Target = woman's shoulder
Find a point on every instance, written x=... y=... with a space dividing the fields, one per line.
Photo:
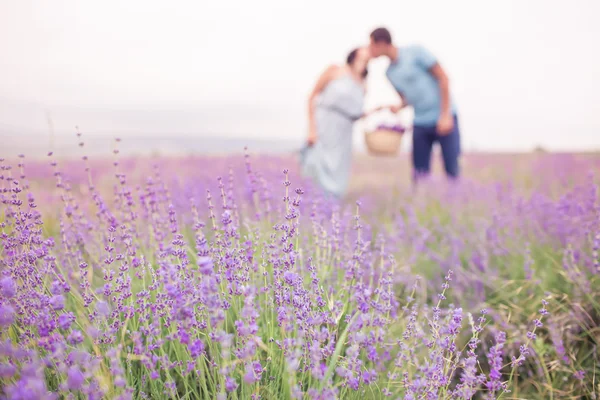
x=335 y=70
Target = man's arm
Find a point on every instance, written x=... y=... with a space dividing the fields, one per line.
x=429 y=62
x=438 y=73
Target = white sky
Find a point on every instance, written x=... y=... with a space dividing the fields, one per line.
x=524 y=72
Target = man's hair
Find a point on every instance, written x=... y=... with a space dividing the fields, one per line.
x=381 y=35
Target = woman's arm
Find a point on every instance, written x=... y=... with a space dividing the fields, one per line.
x=393 y=108
x=323 y=80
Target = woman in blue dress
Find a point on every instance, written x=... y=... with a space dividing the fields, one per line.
x=335 y=103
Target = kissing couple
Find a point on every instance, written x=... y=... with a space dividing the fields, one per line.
x=337 y=101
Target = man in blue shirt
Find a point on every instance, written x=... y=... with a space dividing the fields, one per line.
x=422 y=83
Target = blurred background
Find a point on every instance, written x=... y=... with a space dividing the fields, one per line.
x=212 y=77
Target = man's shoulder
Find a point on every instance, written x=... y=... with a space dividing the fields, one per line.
x=414 y=48
x=420 y=56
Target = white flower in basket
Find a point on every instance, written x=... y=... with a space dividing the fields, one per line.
x=384 y=137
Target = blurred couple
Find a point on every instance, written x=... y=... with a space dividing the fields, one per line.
x=337 y=101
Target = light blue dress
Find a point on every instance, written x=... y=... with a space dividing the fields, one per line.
x=329 y=160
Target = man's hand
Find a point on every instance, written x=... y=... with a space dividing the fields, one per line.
x=396 y=108
x=445 y=124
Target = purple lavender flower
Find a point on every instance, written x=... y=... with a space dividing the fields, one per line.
x=75 y=337
x=556 y=337
x=8 y=287
x=103 y=308
x=65 y=321
x=253 y=372
x=205 y=265
x=57 y=302
x=75 y=378
x=230 y=384
x=7 y=315
x=495 y=356
x=196 y=348
x=7 y=370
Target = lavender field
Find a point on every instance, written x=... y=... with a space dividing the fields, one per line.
x=233 y=278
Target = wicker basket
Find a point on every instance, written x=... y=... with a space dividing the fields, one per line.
x=383 y=142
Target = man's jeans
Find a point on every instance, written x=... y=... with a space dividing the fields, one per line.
x=423 y=139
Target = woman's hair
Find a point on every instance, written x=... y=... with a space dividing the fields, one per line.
x=352 y=57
